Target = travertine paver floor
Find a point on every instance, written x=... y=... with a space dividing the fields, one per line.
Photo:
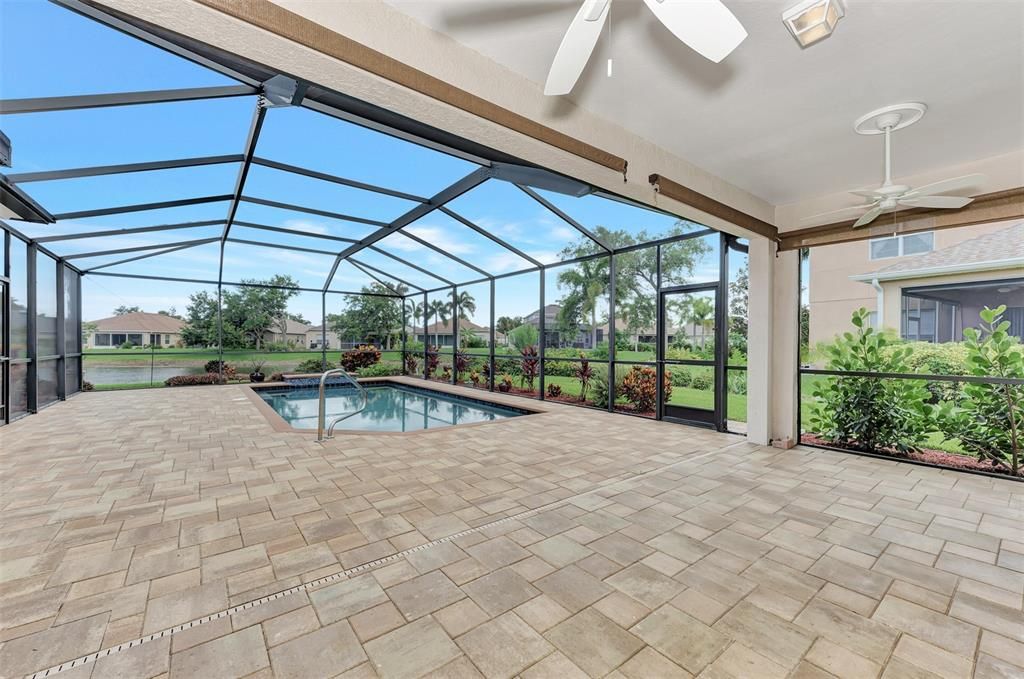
x=679 y=552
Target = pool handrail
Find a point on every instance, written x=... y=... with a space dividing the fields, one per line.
x=322 y=411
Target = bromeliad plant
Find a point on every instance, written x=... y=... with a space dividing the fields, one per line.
x=411 y=363
x=869 y=413
x=989 y=421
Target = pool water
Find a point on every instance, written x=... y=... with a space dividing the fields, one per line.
x=390 y=407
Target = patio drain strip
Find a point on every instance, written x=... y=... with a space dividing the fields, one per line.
x=348 y=572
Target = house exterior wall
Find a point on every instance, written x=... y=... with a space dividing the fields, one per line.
x=833 y=296
x=167 y=339
x=893 y=293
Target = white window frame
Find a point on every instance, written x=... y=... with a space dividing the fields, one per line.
x=899 y=241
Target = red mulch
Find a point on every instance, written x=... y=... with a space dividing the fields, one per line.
x=936 y=457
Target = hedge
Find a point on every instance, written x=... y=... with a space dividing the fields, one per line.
x=191 y=380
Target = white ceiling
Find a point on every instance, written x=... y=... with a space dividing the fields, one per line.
x=773 y=118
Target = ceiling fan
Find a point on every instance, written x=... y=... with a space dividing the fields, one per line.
x=707 y=26
x=889 y=196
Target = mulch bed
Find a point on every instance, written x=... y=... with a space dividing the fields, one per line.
x=929 y=456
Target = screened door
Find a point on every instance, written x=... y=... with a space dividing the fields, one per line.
x=690 y=358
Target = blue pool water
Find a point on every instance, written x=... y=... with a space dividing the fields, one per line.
x=390 y=407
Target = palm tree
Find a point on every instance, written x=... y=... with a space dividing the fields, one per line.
x=466 y=305
x=440 y=310
x=416 y=311
x=587 y=283
x=701 y=311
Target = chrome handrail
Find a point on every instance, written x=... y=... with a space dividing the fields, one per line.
x=322 y=412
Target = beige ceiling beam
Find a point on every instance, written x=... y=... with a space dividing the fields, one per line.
x=683 y=194
x=990 y=207
x=286 y=24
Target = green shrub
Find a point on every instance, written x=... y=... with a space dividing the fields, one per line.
x=524 y=336
x=680 y=377
x=126 y=345
x=379 y=370
x=599 y=384
x=931 y=358
x=703 y=380
x=314 y=365
x=990 y=420
x=865 y=413
x=737 y=381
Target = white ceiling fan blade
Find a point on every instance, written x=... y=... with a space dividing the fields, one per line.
x=942 y=202
x=840 y=211
x=947 y=185
x=867 y=193
x=577 y=45
x=707 y=26
x=868 y=216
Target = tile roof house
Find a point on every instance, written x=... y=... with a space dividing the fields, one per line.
x=138 y=328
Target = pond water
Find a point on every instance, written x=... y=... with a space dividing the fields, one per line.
x=136 y=374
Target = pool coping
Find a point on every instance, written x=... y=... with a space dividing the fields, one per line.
x=279 y=424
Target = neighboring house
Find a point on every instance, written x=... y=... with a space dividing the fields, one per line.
x=928 y=286
x=583 y=338
x=315 y=335
x=138 y=329
x=441 y=334
x=287 y=332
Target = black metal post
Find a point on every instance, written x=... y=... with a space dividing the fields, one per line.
x=426 y=343
x=490 y=356
x=661 y=337
x=455 y=334
x=78 y=330
x=62 y=386
x=721 y=333
x=611 y=333
x=323 y=331
x=405 y=332
x=543 y=333
x=31 y=328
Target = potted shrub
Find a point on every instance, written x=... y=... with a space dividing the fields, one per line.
x=474 y=377
x=256 y=370
x=505 y=384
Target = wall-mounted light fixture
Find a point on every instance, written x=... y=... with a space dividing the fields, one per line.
x=813 y=20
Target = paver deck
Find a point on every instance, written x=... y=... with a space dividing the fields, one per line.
x=606 y=546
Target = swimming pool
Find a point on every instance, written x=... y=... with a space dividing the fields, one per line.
x=390 y=407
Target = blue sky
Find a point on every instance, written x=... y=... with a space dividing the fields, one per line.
x=48 y=51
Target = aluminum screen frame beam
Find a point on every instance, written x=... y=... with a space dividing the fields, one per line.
x=103 y=170
x=130 y=230
x=312 y=211
x=138 y=248
x=564 y=217
x=145 y=256
x=486 y=234
x=142 y=207
x=82 y=101
x=336 y=179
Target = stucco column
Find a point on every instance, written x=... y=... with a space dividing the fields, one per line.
x=759 y=339
x=772 y=343
x=785 y=345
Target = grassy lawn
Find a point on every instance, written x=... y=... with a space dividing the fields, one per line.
x=128 y=357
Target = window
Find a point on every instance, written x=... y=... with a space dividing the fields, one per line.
x=102 y=339
x=902 y=246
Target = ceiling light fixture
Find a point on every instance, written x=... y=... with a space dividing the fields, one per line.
x=813 y=20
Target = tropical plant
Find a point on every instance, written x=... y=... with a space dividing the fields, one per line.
x=440 y=310
x=639 y=386
x=989 y=422
x=505 y=384
x=446 y=371
x=475 y=377
x=432 y=359
x=554 y=391
x=584 y=373
x=529 y=366
x=362 y=356
x=191 y=380
x=466 y=304
x=256 y=365
x=461 y=364
x=699 y=313
x=373 y=316
x=600 y=388
x=379 y=370
x=506 y=324
x=411 y=363
x=869 y=413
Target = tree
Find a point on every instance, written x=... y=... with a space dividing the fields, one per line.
x=245 y=315
x=259 y=306
x=440 y=310
x=739 y=295
x=700 y=312
x=636 y=278
x=88 y=328
x=370 y=317
x=586 y=282
x=122 y=310
x=466 y=305
x=506 y=324
x=172 y=312
x=524 y=336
